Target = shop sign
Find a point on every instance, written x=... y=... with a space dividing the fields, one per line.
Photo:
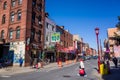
x=55 y=37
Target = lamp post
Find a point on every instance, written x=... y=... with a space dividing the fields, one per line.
x=97 y=33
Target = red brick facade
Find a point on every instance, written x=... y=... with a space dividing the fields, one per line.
x=27 y=17
x=65 y=37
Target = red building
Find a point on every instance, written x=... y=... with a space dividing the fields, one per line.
x=66 y=41
x=21 y=29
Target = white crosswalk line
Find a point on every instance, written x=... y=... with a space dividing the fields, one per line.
x=5 y=76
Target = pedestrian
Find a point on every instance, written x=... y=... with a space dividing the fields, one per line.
x=82 y=67
x=115 y=61
x=21 y=61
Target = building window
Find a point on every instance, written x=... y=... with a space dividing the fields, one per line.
x=19 y=15
x=34 y=2
x=2 y=34
x=52 y=28
x=12 y=17
x=39 y=36
x=39 y=20
x=10 y=34
x=47 y=25
x=5 y=5
x=32 y=34
x=47 y=38
x=13 y=3
x=19 y=2
x=17 y=32
x=3 y=19
x=33 y=16
x=39 y=7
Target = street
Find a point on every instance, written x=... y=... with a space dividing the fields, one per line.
x=64 y=73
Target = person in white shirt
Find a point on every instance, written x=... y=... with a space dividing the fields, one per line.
x=81 y=66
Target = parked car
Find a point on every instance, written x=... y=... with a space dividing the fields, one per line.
x=88 y=57
x=95 y=57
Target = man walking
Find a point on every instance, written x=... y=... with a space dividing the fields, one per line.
x=21 y=61
x=115 y=61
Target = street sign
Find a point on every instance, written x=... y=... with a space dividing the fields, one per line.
x=55 y=37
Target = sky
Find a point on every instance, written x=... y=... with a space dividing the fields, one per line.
x=83 y=16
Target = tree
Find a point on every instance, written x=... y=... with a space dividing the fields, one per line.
x=117 y=36
x=118 y=24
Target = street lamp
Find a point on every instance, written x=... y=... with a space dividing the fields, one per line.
x=97 y=33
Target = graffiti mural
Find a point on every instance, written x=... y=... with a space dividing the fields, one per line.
x=18 y=49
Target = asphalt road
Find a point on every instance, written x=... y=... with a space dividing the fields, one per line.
x=65 y=73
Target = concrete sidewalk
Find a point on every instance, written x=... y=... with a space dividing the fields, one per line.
x=114 y=75
x=16 y=69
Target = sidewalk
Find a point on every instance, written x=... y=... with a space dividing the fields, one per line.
x=16 y=69
x=114 y=75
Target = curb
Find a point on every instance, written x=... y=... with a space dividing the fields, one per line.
x=18 y=70
x=12 y=71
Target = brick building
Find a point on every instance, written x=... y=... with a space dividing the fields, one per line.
x=66 y=41
x=66 y=38
x=21 y=29
x=113 y=43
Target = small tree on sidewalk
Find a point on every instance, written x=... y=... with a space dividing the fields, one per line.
x=117 y=35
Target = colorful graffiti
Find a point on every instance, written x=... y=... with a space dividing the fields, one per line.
x=18 y=49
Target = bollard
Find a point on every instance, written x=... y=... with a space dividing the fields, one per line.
x=75 y=61
x=60 y=64
x=102 y=69
x=66 y=61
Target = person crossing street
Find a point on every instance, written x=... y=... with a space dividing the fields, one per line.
x=82 y=68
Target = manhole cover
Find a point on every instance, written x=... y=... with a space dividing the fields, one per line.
x=66 y=76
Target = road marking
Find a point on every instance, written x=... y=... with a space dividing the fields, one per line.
x=78 y=74
x=5 y=76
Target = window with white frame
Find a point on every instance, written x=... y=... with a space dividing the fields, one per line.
x=19 y=2
x=17 y=32
x=13 y=3
x=10 y=33
x=12 y=17
x=19 y=15
x=5 y=5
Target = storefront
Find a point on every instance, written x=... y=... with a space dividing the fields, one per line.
x=35 y=54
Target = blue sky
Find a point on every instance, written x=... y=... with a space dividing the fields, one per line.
x=82 y=16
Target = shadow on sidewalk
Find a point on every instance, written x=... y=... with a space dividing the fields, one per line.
x=114 y=74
